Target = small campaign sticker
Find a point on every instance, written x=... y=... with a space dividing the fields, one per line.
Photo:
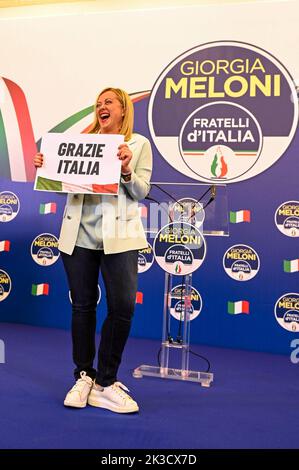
x=44 y=249
x=177 y=302
x=179 y=248
x=9 y=206
x=145 y=258
x=241 y=262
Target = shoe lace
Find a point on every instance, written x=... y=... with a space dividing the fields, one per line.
x=80 y=383
x=121 y=390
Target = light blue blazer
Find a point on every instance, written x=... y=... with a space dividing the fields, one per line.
x=121 y=223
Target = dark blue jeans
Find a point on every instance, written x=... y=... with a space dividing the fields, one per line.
x=119 y=273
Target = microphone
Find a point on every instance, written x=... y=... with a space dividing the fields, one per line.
x=212 y=189
x=168 y=194
x=213 y=195
x=159 y=204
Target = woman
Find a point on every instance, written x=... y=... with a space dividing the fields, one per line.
x=105 y=233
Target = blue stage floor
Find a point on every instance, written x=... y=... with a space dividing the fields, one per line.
x=252 y=403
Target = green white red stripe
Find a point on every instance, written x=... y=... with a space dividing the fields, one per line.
x=81 y=121
x=178 y=269
x=48 y=208
x=40 y=289
x=234 y=308
x=4 y=245
x=46 y=184
x=17 y=143
x=239 y=216
x=239 y=153
x=193 y=152
x=291 y=266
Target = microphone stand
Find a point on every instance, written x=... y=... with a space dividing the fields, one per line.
x=182 y=343
x=211 y=189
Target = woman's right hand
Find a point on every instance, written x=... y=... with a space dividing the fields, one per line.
x=38 y=160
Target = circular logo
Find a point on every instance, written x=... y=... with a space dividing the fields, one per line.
x=209 y=111
x=187 y=210
x=179 y=248
x=99 y=295
x=9 y=206
x=145 y=258
x=177 y=303
x=287 y=311
x=287 y=218
x=220 y=159
x=44 y=249
x=5 y=285
x=241 y=262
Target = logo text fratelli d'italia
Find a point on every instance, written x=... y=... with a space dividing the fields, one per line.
x=209 y=111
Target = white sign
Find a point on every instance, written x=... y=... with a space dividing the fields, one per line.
x=80 y=163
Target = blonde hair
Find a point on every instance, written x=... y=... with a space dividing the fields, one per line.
x=128 y=109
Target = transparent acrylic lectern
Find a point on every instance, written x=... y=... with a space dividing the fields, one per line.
x=204 y=206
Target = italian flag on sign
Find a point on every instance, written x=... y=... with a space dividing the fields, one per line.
x=45 y=184
x=242 y=306
x=40 y=289
x=239 y=216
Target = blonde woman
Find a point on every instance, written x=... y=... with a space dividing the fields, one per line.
x=103 y=234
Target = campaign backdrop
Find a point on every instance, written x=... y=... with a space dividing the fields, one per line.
x=214 y=89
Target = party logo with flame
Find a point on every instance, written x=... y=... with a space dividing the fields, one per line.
x=210 y=111
x=219 y=166
x=220 y=141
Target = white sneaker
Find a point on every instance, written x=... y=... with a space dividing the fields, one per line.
x=113 y=398
x=77 y=396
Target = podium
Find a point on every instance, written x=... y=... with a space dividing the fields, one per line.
x=204 y=208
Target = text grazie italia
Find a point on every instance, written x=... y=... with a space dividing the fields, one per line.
x=79 y=167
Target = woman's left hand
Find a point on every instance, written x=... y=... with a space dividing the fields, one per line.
x=125 y=155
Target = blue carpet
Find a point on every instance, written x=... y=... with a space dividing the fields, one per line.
x=252 y=403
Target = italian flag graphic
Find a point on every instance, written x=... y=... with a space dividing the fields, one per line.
x=215 y=170
x=291 y=266
x=139 y=297
x=17 y=143
x=48 y=208
x=239 y=216
x=5 y=245
x=40 y=289
x=178 y=269
x=242 y=306
x=46 y=184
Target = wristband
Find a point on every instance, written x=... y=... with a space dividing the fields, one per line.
x=126 y=176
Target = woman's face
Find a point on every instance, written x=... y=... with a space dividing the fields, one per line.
x=109 y=112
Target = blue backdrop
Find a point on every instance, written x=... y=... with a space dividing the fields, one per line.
x=258 y=330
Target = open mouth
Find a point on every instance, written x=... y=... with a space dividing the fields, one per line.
x=104 y=117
